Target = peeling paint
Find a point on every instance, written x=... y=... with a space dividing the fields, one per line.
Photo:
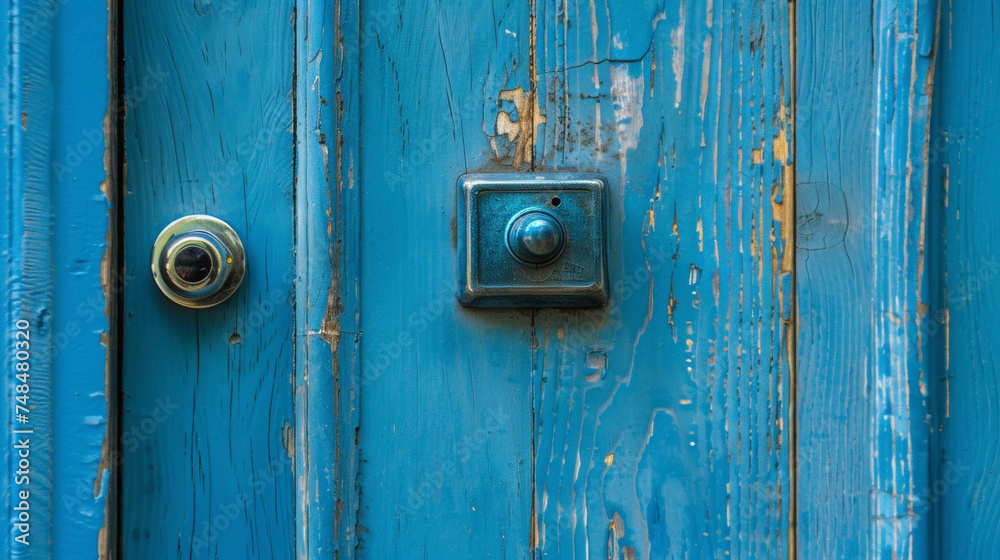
x=677 y=42
x=627 y=95
x=114 y=172
x=521 y=131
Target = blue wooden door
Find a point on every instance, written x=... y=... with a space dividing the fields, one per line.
x=752 y=389
x=962 y=493
x=207 y=413
x=343 y=402
x=653 y=427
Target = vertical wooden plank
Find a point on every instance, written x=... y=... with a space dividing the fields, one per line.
x=7 y=239
x=834 y=148
x=445 y=395
x=59 y=166
x=662 y=419
x=327 y=294
x=864 y=364
x=208 y=416
x=29 y=285
x=962 y=320
x=85 y=229
x=899 y=369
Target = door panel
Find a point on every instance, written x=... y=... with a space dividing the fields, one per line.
x=961 y=324
x=446 y=392
x=207 y=406
x=656 y=426
x=834 y=241
x=662 y=423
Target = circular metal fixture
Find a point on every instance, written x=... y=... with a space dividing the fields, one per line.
x=198 y=261
x=535 y=237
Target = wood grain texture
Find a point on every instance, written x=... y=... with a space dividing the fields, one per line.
x=327 y=291
x=208 y=420
x=963 y=234
x=897 y=383
x=28 y=256
x=834 y=147
x=864 y=346
x=445 y=395
x=85 y=170
x=662 y=420
x=54 y=98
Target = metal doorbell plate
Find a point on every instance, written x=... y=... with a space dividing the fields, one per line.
x=532 y=240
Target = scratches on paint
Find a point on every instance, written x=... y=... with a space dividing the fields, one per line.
x=594 y=33
x=706 y=67
x=238 y=127
x=783 y=194
x=677 y=43
x=716 y=346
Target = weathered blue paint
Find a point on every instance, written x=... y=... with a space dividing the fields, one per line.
x=834 y=148
x=898 y=378
x=446 y=392
x=638 y=429
x=54 y=95
x=864 y=366
x=663 y=420
x=963 y=234
x=328 y=289
x=208 y=417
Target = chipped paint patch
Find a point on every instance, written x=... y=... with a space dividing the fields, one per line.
x=521 y=131
x=677 y=42
x=288 y=440
x=627 y=95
